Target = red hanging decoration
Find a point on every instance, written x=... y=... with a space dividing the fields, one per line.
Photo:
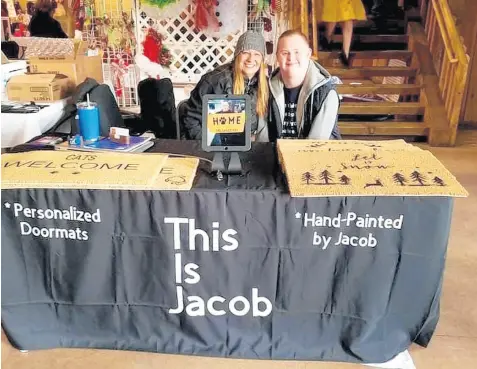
x=205 y=15
x=152 y=45
x=276 y=6
x=119 y=68
x=20 y=30
x=79 y=13
x=154 y=49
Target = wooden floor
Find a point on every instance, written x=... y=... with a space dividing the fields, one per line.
x=454 y=345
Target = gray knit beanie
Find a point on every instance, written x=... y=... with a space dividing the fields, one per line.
x=250 y=40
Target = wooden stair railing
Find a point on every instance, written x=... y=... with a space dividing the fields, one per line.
x=450 y=61
x=303 y=16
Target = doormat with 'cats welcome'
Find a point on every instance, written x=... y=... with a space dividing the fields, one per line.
x=78 y=170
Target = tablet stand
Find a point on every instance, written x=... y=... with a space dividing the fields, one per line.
x=234 y=167
x=218 y=163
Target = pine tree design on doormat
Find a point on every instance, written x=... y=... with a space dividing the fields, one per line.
x=439 y=181
x=419 y=178
x=307 y=177
x=399 y=178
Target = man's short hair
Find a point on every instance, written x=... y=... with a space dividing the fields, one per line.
x=293 y=32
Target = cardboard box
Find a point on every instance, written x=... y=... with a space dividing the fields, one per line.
x=78 y=65
x=39 y=87
x=10 y=68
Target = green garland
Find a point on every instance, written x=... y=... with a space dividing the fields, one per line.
x=263 y=5
x=159 y=3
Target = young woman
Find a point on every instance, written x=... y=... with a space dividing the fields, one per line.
x=246 y=74
x=344 y=12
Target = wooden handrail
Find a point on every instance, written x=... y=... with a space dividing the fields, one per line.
x=444 y=31
x=448 y=28
x=314 y=27
x=302 y=13
x=451 y=65
x=451 y=27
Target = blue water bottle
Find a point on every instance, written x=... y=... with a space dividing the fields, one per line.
x=88 y=114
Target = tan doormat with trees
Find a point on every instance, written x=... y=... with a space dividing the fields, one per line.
x=363 y=168
x=77 y=170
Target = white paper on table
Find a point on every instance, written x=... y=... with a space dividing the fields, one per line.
x=400 y=361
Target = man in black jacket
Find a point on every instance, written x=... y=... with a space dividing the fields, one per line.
x=303 y=99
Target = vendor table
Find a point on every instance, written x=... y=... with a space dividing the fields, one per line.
x=18 y=128
x=233 y=268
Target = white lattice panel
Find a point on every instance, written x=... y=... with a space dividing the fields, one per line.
x=193 y=52
x=96 y=34
x=257 y=21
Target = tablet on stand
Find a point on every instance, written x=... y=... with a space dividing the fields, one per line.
x=226 y=129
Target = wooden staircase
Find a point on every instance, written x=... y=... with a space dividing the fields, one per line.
x=400 y=82
x=398 y=110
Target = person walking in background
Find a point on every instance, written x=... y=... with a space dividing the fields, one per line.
x=344 y=12
x=18 y=7
x=30 y=8
x=42 y=23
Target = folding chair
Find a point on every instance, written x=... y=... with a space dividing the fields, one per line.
x=180 y=111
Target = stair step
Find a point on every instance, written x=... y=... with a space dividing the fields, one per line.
x=380 y=46
x=372 y=39
x=387 y=55
x=370 y=28
x=368 y=72
x=383 y=89
x=381 y=108
x=413 y=15
x=369 y=23
x=389 y=128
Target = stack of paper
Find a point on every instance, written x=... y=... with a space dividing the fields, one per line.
x=105 y=144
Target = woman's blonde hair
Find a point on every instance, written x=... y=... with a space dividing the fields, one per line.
x=262 y=93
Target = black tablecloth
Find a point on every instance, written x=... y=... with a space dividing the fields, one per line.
x=260 y=167
x=257 y=278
